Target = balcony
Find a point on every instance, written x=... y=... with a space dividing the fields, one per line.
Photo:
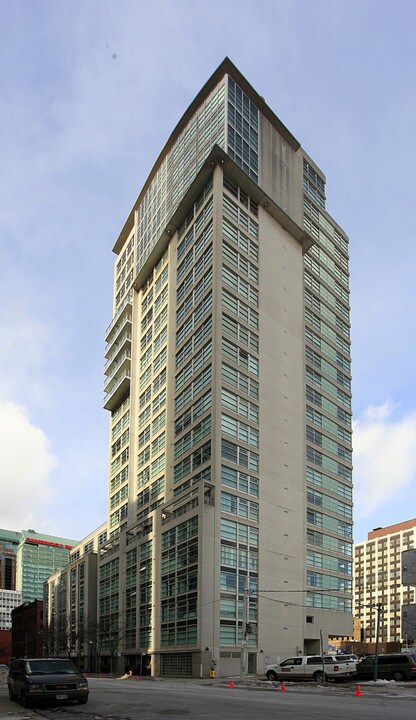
x=121 y=362
x=118 y=391
x=123 y=325
x=115 y=347
x=118 y=319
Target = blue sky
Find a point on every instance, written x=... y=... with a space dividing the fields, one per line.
x=90 y=91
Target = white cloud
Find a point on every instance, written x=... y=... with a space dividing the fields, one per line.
x=384 y=458
x=27 y=462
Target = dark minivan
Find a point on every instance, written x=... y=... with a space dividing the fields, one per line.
x=392 y=666
x=40 y=679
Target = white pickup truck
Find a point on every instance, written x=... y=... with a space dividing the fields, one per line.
x=310 y=667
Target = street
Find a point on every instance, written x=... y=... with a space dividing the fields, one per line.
x=148 y=699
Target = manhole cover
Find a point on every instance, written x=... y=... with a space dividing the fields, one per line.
x=173 y=711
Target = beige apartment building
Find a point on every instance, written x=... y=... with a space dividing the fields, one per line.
x=70 y=605
x=229 y=391
x=378 y=580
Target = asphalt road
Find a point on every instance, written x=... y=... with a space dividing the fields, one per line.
x=147 y=700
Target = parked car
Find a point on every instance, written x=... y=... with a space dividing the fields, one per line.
x=40 y=679
x=347 y=658
x=391 y=666
x=310 y=667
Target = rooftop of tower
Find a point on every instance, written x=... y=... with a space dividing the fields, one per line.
x=225 y=68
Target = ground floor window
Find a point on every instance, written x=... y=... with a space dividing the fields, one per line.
x=177 y=664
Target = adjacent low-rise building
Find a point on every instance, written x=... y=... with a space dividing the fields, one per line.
x=9 y=599
x=28 y=639
x=70 y=604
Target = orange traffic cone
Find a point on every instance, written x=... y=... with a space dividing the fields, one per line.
x=283 y=687
x=358 y=692
x=137 y=678
x=231 y=684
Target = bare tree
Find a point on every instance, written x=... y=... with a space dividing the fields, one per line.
x=105 y=638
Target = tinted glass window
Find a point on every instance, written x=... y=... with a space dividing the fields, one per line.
x=50 y=667
x=289 y=661
x=393 y=660
x=314 y=661
x=368 y=661
x=385 y=660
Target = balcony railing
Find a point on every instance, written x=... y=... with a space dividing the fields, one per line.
x=127 y=303
x=125 y=360
x=121 y=326
x=116 y=347
x=119 y=390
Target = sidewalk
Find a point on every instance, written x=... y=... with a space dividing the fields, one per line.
x=13 y=710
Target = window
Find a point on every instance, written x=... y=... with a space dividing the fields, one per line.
x=241 y=286
x=240 y=333
x=193 y=437
x=192 y=367
x=193 y=389
x=239 y=506
x=243 y=121
x=192 y=461
x=239 y=480
x=240 y=381
x=234 y=234
x=189 y=324
x=195 y=250
x=243 y=311
x=240 y=263
x=240 y=357
x=197 y=409
x=239 y=430
x=239 y=455
x=194 y=296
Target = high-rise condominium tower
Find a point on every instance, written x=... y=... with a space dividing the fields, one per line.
x=228 y=384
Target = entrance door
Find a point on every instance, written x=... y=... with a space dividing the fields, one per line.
x=252 y=663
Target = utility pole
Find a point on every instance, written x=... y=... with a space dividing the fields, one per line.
x=379 y=607
x=379 y=610
x=244 y=629
x=322 y=656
